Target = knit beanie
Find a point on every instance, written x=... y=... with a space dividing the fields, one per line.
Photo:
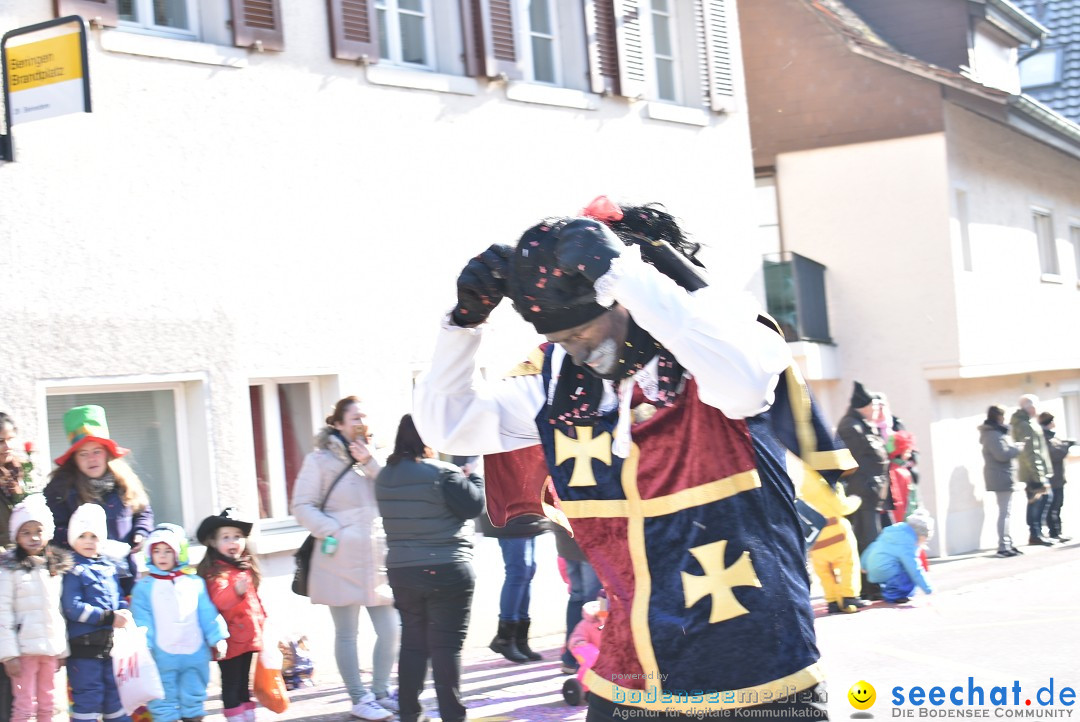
x=32 y=508
x=921 y=521
x=541 y=293
x=171 y=535
x=88 y=518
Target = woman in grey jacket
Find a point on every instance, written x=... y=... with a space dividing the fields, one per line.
x=425 y=506
x=999 y=471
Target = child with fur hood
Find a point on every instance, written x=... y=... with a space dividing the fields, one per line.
x=33 y=637
x=892 y=560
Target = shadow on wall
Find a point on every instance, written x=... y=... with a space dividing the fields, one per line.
x=965 y=516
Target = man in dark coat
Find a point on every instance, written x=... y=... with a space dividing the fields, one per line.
x=870 y=481
x=1059 y=449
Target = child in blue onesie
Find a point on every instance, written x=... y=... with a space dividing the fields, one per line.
x=92 y=605
x=182 y=625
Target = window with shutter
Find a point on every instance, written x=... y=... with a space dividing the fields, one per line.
x=103 y=11
x=490 y=46
x=715 y=55
x=353 y=30
x=603 y=50
x=257 y=23
x=629 y=43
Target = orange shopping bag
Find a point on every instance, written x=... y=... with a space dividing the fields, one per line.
x=270 y=689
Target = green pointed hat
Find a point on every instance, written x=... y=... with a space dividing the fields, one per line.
x=83 y=424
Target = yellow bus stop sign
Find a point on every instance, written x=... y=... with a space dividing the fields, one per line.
x=45 y=73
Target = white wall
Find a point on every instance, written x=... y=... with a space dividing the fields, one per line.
x=291 y=218
x=875 y=215
x=1011 y=319
x=942 y=342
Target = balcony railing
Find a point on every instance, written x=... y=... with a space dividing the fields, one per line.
x=795 y=296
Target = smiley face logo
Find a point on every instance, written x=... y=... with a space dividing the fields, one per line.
x=862 y=695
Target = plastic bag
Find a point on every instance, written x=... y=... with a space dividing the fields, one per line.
x=137 y=678
x=270 y=655
x=270 y=689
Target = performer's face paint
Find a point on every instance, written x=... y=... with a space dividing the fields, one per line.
x=596 y=345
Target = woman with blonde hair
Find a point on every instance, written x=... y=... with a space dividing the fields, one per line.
x=92 y=471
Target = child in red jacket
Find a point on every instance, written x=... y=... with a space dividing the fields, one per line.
x=232 y=579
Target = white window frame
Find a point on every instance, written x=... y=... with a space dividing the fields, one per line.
x=1049 y=263
x=275 y=453
x=649 y=42
x=145 y=9
x=523 y=21
x=393 y=34
x=1054 y=56
x=179 y=389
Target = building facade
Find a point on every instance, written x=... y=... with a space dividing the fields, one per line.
x=270 y=202
x=945 y=208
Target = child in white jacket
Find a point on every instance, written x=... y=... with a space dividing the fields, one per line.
x=33 y=635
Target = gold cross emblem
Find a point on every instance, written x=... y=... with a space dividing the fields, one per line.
x=582 y=450
x=719 y=580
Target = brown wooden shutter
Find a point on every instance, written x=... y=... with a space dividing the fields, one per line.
x=631 y=52
x=472 y=37
x=354 y=33
x=603 y=50
x=715 y=55
x=106 y=11
x=257 y=23
x=490 y=43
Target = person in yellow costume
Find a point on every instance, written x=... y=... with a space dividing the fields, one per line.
x=834 y=554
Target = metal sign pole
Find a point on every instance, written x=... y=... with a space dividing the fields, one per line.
x=7 y=146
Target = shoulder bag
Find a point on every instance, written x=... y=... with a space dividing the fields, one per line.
x=303 y=554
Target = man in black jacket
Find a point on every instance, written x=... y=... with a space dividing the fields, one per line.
x=870 y=481
x=1059 y=449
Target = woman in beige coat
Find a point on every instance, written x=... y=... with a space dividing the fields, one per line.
x=348 y=566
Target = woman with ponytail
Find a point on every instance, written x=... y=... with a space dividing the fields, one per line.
x=334 y=498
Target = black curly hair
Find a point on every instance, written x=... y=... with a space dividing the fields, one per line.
x=653 y=223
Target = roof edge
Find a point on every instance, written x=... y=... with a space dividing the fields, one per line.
x=1014 y=21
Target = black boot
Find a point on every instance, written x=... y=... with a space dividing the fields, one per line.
x=522 y=639
x=505 y=644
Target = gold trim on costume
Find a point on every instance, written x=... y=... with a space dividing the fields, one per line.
x=746 y=697
x=532 y=365
x=667 y=504
x=639 y=560
x=802 y=415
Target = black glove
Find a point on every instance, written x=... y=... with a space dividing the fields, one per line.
x=481 y=285
x=587 y=247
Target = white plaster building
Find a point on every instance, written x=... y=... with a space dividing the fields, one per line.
x=234 y=238
x=946 y=210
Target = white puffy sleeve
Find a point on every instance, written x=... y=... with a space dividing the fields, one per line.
x=714 y=334
x=457 y=413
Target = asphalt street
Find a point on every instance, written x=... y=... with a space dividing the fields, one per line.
x=998 y=621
